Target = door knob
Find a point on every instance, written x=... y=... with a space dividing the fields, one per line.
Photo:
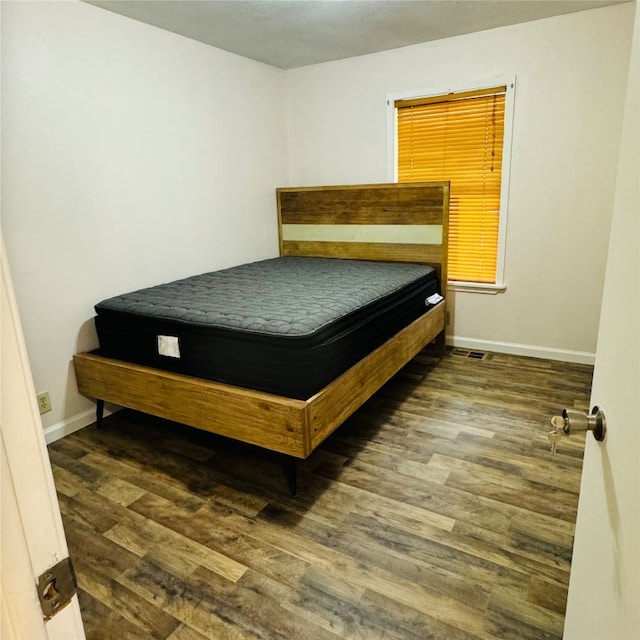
x=578 y=421
x=572 y=420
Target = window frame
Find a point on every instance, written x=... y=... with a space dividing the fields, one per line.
x=392 y=167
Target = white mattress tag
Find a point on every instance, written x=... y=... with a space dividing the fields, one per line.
x=434 y=299
x=168 y=346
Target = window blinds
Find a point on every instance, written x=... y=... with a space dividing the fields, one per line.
x=459 y=137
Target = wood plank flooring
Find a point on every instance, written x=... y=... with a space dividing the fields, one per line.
x=436 y=511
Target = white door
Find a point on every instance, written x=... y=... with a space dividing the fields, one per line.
x=604 y=588
x=32 y=535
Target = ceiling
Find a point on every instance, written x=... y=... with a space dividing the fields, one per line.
x=296 y=33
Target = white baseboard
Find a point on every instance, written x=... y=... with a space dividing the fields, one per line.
x=547 y=353
x=75 y=423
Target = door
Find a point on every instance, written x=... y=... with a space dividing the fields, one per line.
x=604 y=588
x=32 y=535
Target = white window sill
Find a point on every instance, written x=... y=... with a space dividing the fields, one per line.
x=475 y=287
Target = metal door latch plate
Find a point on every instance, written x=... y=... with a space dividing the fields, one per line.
x=56 y=587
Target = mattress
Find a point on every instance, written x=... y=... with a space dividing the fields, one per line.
x=287 y=325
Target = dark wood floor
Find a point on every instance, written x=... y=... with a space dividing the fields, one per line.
x=436 y=511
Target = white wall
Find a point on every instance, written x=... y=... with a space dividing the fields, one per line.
x=571 y=74
x=130 y=156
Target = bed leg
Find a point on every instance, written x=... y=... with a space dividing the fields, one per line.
x=441 y=343
x=99 y=413
x=290 y=467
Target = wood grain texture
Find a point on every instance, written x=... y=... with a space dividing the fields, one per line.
x=385 y=251
x=435 y=511
x=373 y=204
x=341 y=398
x=276 y=423
x=263 y=419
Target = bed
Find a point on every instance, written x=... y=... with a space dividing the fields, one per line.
x=290 y=390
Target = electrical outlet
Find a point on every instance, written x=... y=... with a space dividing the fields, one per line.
x=44 y=402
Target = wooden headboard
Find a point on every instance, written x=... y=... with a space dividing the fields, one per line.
x=394 y=222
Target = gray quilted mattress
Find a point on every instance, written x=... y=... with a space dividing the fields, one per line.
x=285 y=325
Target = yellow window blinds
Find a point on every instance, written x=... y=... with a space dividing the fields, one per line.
x=459 y=137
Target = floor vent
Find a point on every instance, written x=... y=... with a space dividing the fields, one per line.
x=465 y=353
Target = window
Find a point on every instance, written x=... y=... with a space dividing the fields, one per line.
x=460 y=137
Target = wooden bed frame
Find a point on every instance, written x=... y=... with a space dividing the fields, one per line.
x=346 y=219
